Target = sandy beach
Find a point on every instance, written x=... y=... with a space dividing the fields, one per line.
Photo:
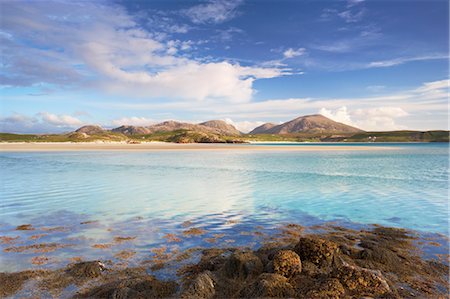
x=163 y=146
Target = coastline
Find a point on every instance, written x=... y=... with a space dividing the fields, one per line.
x=165 y=146
x=324 y=261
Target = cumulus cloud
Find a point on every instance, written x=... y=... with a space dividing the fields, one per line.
x=407 y=109
x=290 y=53
x=60 y=120
x=213 y=11
x=43 y=122
x=133 y=121
x=98 y=46
x=369 y=119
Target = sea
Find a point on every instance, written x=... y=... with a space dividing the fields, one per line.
x=95 y=204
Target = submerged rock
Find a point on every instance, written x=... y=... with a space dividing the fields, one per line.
x=269 y=285
x=201 y=287
x=243 y=265
x=318 y=251
x=132 y=288
x=287 y=263
x=12 y=282
x=91 y=269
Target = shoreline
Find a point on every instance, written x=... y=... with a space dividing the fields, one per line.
x=333 y=262
x=165 y=146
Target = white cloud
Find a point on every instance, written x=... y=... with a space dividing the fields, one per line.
x=290 y=53
x=103 y=47
x=133 y=121
x=402 y=60
x=214 y=11
x=244 y=126
x=43 y=122
x=421 y=108
x=369 y=119
x=60 y=120
x=340 y=115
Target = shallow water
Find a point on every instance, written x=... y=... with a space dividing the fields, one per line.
x=149 y=194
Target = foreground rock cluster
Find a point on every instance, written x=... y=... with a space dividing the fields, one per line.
x=381 y=263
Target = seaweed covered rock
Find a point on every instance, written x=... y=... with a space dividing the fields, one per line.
x=201 y=287
x=287 y=263
x=269 y=285
x=361 y=281
x=89 y=269
x=242 y=265
x=329 y=288
x=12 y=282
x=318 y=251
x=132 y=288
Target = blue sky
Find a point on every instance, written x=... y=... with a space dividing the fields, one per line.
x=378 y=65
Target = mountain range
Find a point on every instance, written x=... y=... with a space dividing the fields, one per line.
x=305 y=124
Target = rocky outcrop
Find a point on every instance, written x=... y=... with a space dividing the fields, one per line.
x=202 y=287
x=91 y=130
x=91 y=269
x=135 y=287
x=287 y=263
x=269 y=285
x=318 y=251
x=243 y=265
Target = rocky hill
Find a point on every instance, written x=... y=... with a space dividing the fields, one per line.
x=218 y=127
x=309 y=124
x=91 y=130
x=262 y=128
x=221 y=127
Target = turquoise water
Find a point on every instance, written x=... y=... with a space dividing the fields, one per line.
x=405 y=185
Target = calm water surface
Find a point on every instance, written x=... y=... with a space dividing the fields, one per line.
x=150 y=193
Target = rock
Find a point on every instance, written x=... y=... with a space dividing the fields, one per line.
x=310 y=269
x=330 y=288
x=243 y=265
x=89 y=269
x=362 y=281
x=25 y=227
x=316 y=250
x=201 y=287
x=12 y=282
x=269 y=285
x=287 y=263
x=135 y=287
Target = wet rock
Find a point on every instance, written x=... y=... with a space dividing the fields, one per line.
x=132 y=288
x=269 y=285
x=89 y=269
x=201 y=287
x=287 y=263
x=310 y=269
x=362 y=281
x=25 y=227
x=328 y=289
x=316 y=250
x=12 y=282
x=243 y=265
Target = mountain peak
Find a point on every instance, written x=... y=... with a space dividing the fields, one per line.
x=315 y=123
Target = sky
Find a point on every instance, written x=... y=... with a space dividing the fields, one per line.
x=375 y=64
